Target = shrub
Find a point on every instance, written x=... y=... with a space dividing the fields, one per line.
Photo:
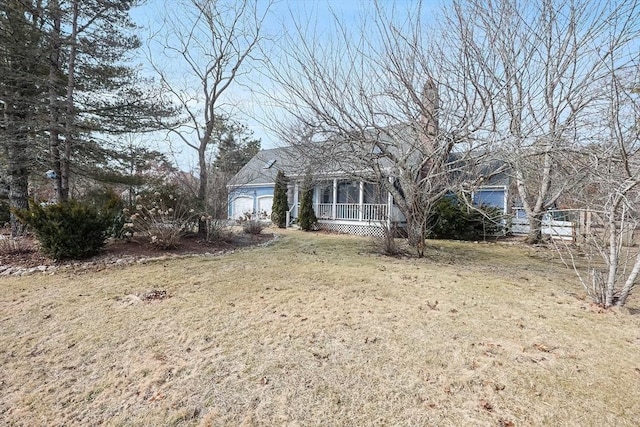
x=387 y=243
x=452 y=219
x=307 y=216
x=163 y=220
x=110 y=205
x=67 y=230
x=280 y=203
x=253 y=226
x=218 y=230
x=15 y=245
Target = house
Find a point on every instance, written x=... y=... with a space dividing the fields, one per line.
x=251 y=189
x=341 y=202
x=346 y=196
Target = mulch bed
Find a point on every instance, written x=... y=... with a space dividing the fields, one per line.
x=126 y=252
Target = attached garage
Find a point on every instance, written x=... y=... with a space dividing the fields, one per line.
x=242 y=205
x=265 y=204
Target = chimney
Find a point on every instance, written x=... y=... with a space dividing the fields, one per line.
x=430 y=107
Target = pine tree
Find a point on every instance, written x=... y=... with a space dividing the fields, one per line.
x=236 y=146
x=94 y=92
x=22 y=76
x=307 y=216
x=280 y=203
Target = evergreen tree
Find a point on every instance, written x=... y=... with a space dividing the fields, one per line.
x=307 y=216
x=93 y=90
x=22 y=76
x=66 y=87
x=236 y=146
x=280 y=203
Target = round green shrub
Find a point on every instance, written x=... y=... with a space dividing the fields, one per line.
x=109 y=204
x=67 y=230
x=452 y=219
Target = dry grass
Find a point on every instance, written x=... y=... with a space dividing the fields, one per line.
x=15 y=245
x=317 y=330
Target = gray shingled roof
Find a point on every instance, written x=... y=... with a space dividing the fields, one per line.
x=264 y=166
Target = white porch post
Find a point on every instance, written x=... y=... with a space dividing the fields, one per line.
x=389 y=206
x=360 y=201
x=334 y=202
x=295 y=199
x=505 y=201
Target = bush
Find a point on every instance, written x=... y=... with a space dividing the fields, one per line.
x=253 y=226
x=307 y=216
x=280 y=203
x=387 y=243
x=15 y=245
x=67 y=230
x=452 y=219
x=110 y=205
x=163 y=219
x=218 y=230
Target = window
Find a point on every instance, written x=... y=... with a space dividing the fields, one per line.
x=326 y=192
x=375 y=194
x=487 y=197
x=268 y=164
x=348 y=192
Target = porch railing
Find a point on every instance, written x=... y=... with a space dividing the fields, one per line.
x=324 y=210
x=348 y=211
x=352 y=211
x=372 y=212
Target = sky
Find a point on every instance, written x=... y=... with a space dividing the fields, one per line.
x=244 y=101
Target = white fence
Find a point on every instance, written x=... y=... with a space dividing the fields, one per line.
x=553 y=224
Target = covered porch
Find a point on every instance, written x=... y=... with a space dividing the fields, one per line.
x=349 y=202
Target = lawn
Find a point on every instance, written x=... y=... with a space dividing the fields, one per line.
x=319 y=330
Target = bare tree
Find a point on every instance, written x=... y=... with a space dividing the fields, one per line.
x=213 y=41
x=542 y=65
x=610 y=264
x=379 y=102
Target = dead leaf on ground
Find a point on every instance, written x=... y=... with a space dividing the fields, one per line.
x=543 y=347
x=154 y=295
x=484 y=404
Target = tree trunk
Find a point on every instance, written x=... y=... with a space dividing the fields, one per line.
x=415 y=235
x=54 y=110
x=535 y=228
x=18 y=173
x=202 y=191
x=629 y=284
x=417 y=227
x=612 y=258
x=70 y=118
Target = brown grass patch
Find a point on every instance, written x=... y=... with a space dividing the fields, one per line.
x=318 y=330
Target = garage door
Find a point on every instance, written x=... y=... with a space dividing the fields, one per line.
x=241 y=206
x=265 y=204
